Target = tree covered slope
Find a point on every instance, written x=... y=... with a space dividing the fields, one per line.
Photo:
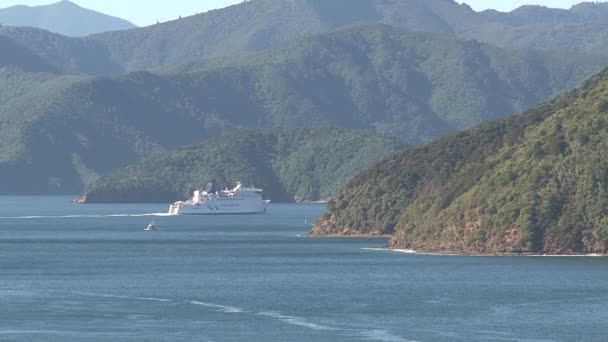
x=289 y=164
x=16 y=56
x=66 y=55
x=535 y=183
x=68 y=130
x=261 y=24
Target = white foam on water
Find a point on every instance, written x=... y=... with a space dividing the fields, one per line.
x=153 y=299
x=411 y=251
x=107 y=295
x=102 y=295
x=293 y=320
x=406 y=251
x=143 y=215
x=223 y=308
x=514 y=339
x=383 y=335
x=84 y=216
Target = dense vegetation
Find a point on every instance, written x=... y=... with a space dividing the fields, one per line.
x=64 y=54
x=260 y=24
x=63 y=17
x=67 y=130
x=535 y=183
x=16 y=56
x=289 y=164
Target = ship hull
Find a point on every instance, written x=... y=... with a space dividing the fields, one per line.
x=227 y=207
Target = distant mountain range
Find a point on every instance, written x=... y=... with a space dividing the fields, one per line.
x=261 y=24
x=65 y=131
x=534 y=183
x=63 y=17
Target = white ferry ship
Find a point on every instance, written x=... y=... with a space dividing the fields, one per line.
x=235 y=201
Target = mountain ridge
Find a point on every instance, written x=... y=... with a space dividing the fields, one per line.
x=64 y=17
x=262 y=24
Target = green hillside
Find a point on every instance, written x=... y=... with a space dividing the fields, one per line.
x=63 y=54
x=535 y=183
x=289 y=164
x=16 y=56
x=66 y=131
x=261 y=24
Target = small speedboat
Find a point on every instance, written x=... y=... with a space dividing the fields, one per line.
x=151 y=227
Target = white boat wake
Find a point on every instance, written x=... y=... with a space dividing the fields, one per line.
x=367 y=334
x=30 y=217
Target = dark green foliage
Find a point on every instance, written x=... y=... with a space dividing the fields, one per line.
x=16 y=56
x=583 y=37
x=415 y=86
x=290 y=164
x=261 y=24
x=65 y=55
x=525 y=184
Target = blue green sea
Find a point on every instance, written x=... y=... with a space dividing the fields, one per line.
x=73 y=272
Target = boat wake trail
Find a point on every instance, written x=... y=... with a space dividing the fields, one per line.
x=293 y=320
x=84 y=216
x=223 y=308
x=383 y=335
x=369 y=335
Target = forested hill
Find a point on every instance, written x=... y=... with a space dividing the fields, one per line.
x=67 y=131
x=260 y=24
x=63 y=17
x=534 y=183
x=289 y=164
x=66 y=55
x=16 y=56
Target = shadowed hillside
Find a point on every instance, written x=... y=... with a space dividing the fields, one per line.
x=289 y=164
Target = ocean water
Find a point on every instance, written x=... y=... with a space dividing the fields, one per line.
x=91 y=273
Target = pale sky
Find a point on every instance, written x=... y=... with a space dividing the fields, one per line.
x=147 y=12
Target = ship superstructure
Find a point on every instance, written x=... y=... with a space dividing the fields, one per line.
x=239 y=200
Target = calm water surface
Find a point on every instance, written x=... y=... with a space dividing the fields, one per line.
x=90 y=273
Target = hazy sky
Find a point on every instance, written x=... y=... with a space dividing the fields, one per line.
x=146 y=12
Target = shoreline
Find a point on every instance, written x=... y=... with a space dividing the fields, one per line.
x=414 y=252
x=354 y=236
